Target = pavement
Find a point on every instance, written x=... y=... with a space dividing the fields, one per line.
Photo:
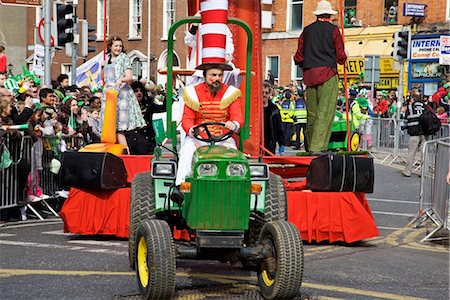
x=39 y=261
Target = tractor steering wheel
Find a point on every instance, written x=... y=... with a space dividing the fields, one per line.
x=211 y=137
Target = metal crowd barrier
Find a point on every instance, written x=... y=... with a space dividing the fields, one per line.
x=385 y=137
x=37 y=157
x=434 y=190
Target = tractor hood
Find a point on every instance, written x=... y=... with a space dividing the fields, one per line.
x=218 y=153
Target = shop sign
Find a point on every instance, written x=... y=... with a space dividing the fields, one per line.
x=387 y=83
x=444 y=57
x=425 y=48
x=355 y=65
x=414 y=10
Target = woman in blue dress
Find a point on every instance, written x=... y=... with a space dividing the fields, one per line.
x=118 y=75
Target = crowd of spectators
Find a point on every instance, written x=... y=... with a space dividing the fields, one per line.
x=63 y=112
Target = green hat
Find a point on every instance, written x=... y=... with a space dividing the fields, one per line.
x=80 y=103
x=36 y=107
x=447 y=85
x=67 y=98
x=59 y=94
x=363 y=103
x=384 y=92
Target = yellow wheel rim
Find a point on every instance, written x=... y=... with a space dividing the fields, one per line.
x=266 y=278
x=142 y=262
x=354 y=142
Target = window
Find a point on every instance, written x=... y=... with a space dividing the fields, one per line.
x=100 y=18
x=136 y=66
x=390 y=11
x=295 y=15
x=350 y=13
x=297 y=73
x=135 y=19
x=67 y=69
x=272 y=64
x=168 y=16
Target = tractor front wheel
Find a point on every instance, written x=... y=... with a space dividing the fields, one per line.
x=280 y=273
x=155 y=260
x=275 y=209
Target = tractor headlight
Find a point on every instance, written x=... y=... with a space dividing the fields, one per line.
x=165 y=170
x=207 y=170
x=259 y=171
x=236 y=170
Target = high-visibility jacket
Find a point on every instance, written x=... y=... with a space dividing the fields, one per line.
x=286 y=107
x=355 y=114
x=300 y=113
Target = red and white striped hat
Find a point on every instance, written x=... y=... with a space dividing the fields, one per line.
x=213 y=32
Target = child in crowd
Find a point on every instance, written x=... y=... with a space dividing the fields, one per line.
x=20 y=106
x=94 y=122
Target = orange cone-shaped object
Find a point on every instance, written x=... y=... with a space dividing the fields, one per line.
x=109 y=117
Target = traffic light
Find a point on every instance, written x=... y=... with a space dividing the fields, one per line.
x=400 y=45
x=86 y=37
x=64 y=24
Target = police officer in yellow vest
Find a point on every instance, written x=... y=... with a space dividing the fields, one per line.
x=286 y=107
x=355 y=114
x=300 y=120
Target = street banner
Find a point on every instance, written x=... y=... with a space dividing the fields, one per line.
x=90 y=73
x=38 y=60
x=444 y=57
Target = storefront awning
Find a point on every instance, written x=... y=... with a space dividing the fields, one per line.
x=378 y=47
x=369 y=47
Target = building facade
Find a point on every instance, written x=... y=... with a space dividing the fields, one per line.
x=368 y=31
x=145 y=45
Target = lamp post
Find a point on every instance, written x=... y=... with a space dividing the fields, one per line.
x=10 y=68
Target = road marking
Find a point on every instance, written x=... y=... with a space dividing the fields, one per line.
x=233 y=278
x=409 y=240
x=388 y=228
x=99 y=243
x=57 y=232
x=358 y=292
x=37 y=223
x=6 y=235
x=56 y=246
x=393 y=201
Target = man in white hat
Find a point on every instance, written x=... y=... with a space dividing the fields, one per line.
x=320 y=48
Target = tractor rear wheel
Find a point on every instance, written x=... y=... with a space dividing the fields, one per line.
x=280 y=273
x=275 y=209
x=142 y=208
x=354 y=141
x=155 y=260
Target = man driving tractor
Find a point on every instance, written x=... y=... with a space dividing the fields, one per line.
x=209 y=101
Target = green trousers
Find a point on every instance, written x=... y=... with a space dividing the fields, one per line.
x=321 y=103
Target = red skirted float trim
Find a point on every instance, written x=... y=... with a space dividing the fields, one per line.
x=319 y=216
x=329 y=216
x=97 y=212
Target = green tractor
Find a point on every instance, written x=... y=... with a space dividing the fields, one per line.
x=339 y=136
x=234 y=210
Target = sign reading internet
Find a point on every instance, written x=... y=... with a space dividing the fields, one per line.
x=414 y=10
x=425 y=48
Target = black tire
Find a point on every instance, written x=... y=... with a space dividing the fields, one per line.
x=142 y=208
x=155 y=260
x=275 y=209
x=280 y=275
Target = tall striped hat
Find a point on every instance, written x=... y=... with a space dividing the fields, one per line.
x=213 y=32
